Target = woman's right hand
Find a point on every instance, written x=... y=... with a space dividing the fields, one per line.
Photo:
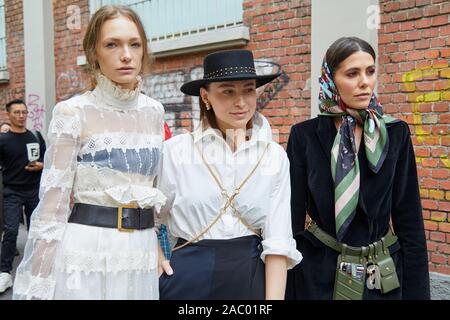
x=164 y=266
x=163 y=263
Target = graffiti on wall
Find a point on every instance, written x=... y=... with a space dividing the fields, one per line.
x=270 y=90
x=410 y=80
x=36 y=111
x=68 y=83
x=166 y=89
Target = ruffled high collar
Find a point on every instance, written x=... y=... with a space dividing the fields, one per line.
x=115 y=96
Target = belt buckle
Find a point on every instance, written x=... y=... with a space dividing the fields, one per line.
x=120 y=217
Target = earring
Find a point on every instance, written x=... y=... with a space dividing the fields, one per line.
x=208 y=106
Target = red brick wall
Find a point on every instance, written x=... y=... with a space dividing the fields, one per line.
x=70 y=79
x=15 y=88
x=281 y=31
x=414 y=85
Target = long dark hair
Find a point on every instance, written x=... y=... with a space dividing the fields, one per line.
x=343 y=47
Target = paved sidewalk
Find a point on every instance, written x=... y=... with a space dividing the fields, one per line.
x=21 y=240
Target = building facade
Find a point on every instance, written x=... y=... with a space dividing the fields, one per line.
x=411 y=37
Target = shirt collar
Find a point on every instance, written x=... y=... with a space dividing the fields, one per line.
x=261 y=130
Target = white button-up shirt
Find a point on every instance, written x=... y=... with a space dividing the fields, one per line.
x=195 y=198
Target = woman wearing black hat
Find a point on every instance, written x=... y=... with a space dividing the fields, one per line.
x=228 y=192
x=353 y=171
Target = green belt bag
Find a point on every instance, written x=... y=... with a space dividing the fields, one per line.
x=354 y=263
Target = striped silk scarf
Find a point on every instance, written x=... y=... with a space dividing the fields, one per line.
x=344 y=155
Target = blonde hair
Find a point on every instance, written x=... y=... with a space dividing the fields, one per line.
x=91 y=37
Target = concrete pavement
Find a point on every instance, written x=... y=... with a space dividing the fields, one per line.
x=21 y=240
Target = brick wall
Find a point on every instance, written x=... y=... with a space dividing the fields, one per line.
x=15 y=88
x=281 y=31
x=414 y=85
x=70 y=79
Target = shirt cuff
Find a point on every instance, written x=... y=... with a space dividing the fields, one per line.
x=282 y=247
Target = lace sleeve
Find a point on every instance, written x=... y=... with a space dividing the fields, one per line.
x=34 y=277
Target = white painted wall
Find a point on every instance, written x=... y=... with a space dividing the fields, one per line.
x=332 y=19
x=39 y=62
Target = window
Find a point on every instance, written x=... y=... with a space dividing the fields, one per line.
x=2 y=36
x=194 y=24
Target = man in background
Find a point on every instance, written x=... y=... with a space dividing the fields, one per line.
x=21 y=157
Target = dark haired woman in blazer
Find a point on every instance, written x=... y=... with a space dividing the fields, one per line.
x=353 y=171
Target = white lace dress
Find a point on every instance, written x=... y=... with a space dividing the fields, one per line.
x=105 y=149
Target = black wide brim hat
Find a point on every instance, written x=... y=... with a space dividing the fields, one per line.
x=229 y=65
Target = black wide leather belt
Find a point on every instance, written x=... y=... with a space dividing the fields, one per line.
x=123 y=218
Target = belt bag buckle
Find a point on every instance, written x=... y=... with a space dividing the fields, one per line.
x=120 y=217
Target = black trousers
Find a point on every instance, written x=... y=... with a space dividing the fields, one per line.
x=216 y=270
x=14 y=202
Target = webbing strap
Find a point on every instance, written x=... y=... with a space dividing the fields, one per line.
x=229 y=199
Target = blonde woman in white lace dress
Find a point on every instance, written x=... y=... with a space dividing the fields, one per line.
x=105 y=148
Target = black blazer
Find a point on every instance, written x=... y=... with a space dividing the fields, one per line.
x=392 y=193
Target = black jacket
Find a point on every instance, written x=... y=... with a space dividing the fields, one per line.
x=392 y=193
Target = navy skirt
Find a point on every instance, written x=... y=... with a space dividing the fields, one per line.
x=216 y=270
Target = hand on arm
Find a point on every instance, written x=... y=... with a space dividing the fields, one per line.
x=34 y=166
